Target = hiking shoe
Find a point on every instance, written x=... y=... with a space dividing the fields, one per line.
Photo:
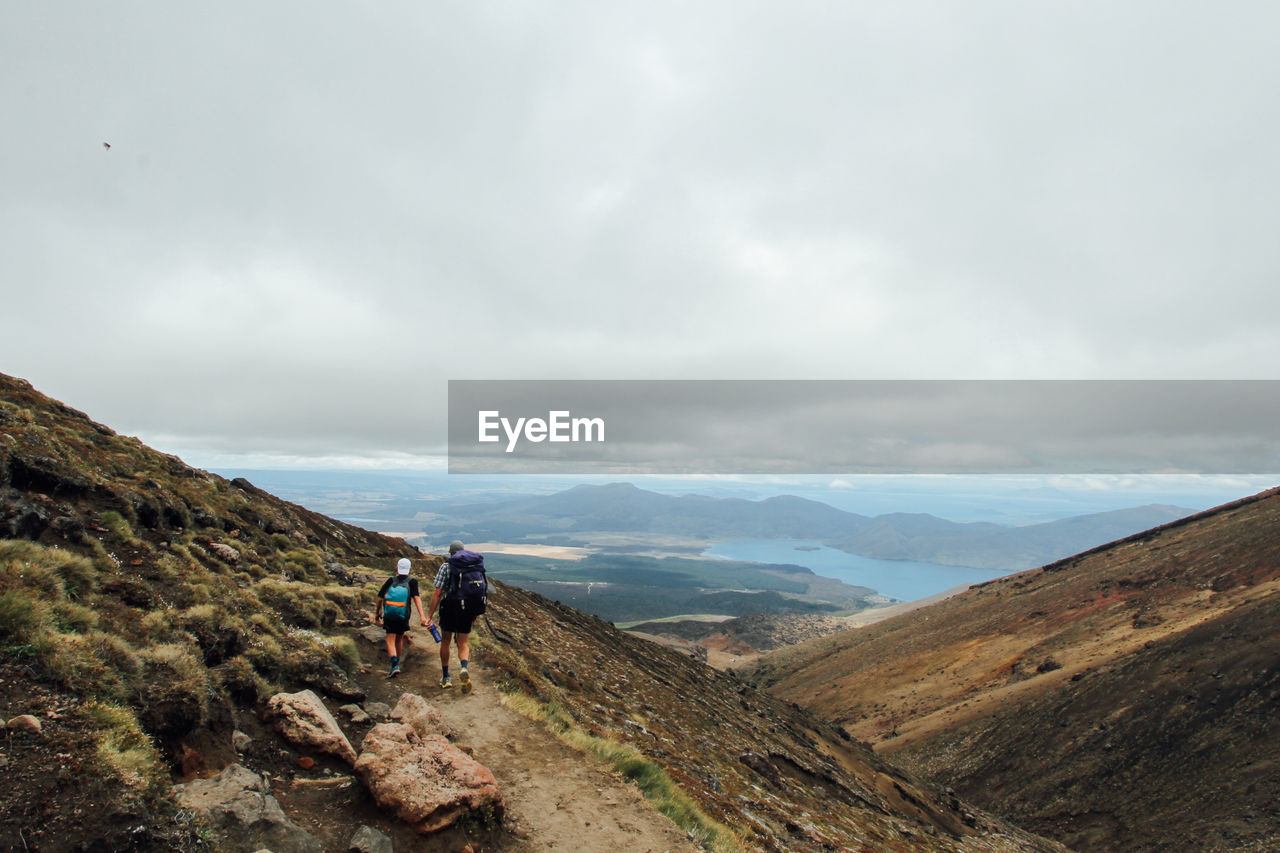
x=445 y=683
x=464 y=678
x=395 y=670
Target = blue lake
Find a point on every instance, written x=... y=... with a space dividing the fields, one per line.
x=900 y=579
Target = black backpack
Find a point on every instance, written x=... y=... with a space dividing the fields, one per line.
x=467 y=582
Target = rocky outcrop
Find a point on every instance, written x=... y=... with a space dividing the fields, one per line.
x=425 y=781
x=421 y=716
x=330 y=680
x=304 y=720
x=238 y=805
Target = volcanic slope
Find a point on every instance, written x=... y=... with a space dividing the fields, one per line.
x=1127 y=698
x=149 y=609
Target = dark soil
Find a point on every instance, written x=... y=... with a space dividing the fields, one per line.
x=54 y=795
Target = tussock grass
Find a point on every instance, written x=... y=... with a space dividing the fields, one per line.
x=72 y=618
x=23 y=616
x=124 y=750
x=118 y=526
x=650 y=777
x=95 y=664
x=242 y=682
x=175 y=690
x=301 y=605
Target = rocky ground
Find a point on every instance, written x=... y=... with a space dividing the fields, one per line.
x=555 y=797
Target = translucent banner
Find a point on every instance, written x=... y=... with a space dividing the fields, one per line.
x=863 y=426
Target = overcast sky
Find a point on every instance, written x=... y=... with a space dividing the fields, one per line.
x=312 y=215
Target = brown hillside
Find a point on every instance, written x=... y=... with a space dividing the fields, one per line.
x=149 y=609
x=144 y=605
x=1124 y=699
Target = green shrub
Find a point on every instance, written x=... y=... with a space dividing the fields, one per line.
x=102 y=561
x=198 y=594
x=26 y=565
x=51 y=573
x=304 y=565
x=78 y=662
x=158 y=626
x=302 y=647
x=23 y=616
x=124 y=750
x=78 y=574
x=174 y=695
x=117 y=653
x=344 y=652
x=298 y=604
x=267 y=656
x=241 y=682
x=118 y=526
x=67 y=616
x=263 y=624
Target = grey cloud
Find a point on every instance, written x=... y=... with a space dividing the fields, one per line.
x=300 y=201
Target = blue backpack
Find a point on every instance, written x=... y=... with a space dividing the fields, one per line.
x=396 y=604
x=467 y=582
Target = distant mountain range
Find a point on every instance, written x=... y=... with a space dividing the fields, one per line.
x=572 y=516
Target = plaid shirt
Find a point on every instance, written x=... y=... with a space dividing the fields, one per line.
x=442 y=575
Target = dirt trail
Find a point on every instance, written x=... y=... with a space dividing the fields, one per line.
x=557 y=797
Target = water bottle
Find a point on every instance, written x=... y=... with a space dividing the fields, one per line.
x=435 y=632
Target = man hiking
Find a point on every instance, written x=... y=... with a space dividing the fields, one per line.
x=393 y=611
x=460 y=594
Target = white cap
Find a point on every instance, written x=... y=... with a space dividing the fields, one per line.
x=403 y=566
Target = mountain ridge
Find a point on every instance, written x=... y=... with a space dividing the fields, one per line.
x=919 y=537
x=1121 y=698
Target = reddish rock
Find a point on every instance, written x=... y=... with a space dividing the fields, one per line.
x=24 y=723
x=421 y=716
x=306 y=762
x=425 y=781
x=304 y=720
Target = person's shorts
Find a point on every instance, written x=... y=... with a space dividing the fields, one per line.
x=395 y=626
x=453 y=618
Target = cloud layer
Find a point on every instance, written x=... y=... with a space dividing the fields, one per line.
x=310 y=218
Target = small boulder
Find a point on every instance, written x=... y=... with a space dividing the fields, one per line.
x=369 y=840
x=304 y=720
x=377 y=710
x=24 y=723
x=240 y=741
x=238 y=805
x=421 y=716
x=225 y=553
x=355 y=713
x=427 y=782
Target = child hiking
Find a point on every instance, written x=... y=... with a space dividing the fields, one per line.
x=460 y=593
x=393 y=611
